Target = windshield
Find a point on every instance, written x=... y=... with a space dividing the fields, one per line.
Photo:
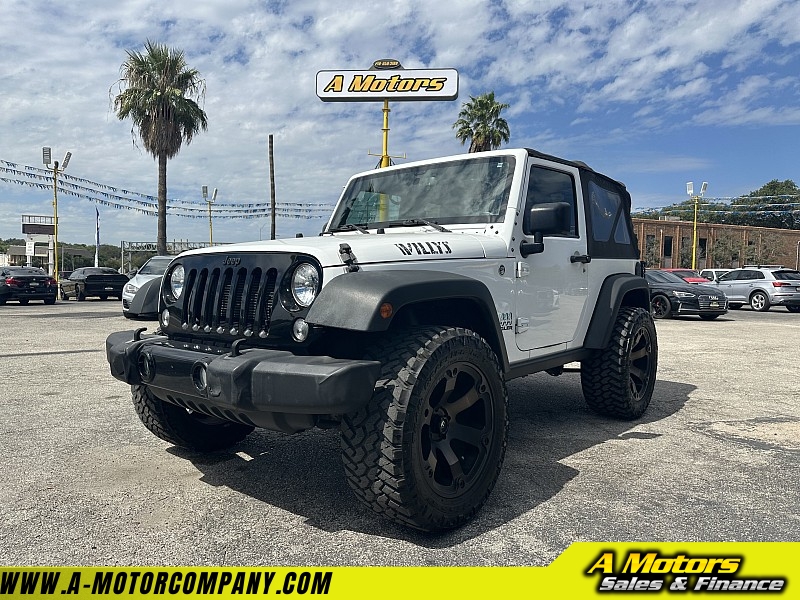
x=155 y=266
x=473 y=190
x=662 y=277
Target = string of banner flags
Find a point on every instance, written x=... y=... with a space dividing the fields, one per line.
x=121 y=199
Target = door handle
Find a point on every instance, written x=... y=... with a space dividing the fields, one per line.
x=581 y=258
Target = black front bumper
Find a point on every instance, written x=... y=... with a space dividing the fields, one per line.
x=274 y=389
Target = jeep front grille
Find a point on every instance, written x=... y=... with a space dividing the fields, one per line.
x=229 y=301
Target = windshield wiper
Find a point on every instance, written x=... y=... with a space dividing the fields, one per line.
x=416 y=222
x=348 y=227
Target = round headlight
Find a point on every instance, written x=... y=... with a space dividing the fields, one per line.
x=176 y=278
x=305 y=283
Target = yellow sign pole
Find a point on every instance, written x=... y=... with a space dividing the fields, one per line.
x=385 y=161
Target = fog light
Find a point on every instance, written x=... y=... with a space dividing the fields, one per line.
x=200 y=377
x=147 y=367
x=165 y=317
x=300 y=330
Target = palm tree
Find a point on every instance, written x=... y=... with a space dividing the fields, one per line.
x=158 y=96
x=480 y=122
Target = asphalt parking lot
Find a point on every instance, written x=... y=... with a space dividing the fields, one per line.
x=716 y=458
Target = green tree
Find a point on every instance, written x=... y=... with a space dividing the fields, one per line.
x=775 y=204
x=158 y=92
x=725 y=250
x=652 y=255
x=480 y=122
x=4 y=244
x=763 y=248
x=685 y=258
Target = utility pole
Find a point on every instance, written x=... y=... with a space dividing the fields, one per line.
x=271 y=190
x=46 y=159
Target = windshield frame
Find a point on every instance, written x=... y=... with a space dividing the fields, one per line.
x=458 y=191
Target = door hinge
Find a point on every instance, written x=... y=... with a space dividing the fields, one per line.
x=522 y=325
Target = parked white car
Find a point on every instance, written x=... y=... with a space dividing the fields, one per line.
x=714 y=274
x=152 y=269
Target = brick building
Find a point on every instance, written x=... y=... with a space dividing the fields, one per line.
x=668 y=244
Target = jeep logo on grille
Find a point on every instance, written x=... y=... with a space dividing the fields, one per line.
x=232 y=260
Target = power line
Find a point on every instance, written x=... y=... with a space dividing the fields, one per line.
x=122 y=199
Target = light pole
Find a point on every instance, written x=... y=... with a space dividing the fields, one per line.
x=210 y=202
x=46 y=159
x=797 y=258
x=690 y=191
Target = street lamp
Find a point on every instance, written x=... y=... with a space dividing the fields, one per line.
x=210 y=202
x=690 y=191
x=46 y=159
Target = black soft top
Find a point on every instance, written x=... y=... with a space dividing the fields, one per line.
x=572 y=163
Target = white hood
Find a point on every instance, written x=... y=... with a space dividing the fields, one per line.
x=392 y=246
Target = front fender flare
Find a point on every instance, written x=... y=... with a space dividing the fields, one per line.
x=145 y=301
x=352 y=301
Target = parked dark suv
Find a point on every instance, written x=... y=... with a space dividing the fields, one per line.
x=24 y=284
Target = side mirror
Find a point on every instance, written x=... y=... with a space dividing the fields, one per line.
x=547 y=218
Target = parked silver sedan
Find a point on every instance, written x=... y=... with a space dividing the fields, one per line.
x=761 y=288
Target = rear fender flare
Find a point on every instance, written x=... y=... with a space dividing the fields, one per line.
x=622 y=289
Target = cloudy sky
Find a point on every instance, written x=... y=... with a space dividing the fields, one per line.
x=653 y=93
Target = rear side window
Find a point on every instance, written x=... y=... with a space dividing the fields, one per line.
x=731 y=276
x=607 y=206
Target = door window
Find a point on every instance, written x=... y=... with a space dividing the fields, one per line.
x=545 y=186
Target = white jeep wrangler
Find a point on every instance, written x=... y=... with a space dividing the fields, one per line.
x=432 y=285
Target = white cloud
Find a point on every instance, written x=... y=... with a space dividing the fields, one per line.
x=588 y=78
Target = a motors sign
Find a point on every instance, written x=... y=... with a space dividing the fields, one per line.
x=371 y=86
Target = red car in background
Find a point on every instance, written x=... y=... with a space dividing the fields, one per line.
x=688 y=275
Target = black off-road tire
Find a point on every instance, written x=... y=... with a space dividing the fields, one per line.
x=618 y=381
x=427 y=449
x=184 y=428
x=660 y=307
x=23 y=301
x=793 y=308
x=50 y=300
x=759 y=302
